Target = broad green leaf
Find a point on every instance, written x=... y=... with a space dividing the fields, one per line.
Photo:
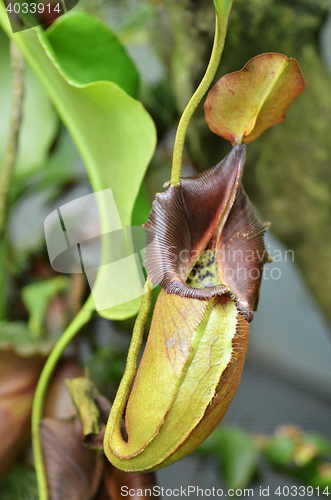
x=114 y=134
x=40 y=120
x=36 y=298
x=300 y=455
x=58 y=170
x=239 y=455
x=85 y=50
x=245 y=103
x=280 y=450
x=291 y=447
x=317 y=474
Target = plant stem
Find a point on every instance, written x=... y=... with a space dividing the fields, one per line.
x=8 y=166
x=78 y=322
x=219 y=39
x=14 y=129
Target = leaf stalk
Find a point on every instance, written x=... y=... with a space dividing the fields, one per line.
x=9 y=161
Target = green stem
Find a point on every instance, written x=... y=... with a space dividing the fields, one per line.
x=78 y=322
x=219 y=39
x=9 y=161
x=8 y=166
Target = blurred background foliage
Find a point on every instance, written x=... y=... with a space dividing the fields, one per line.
x=287 y=177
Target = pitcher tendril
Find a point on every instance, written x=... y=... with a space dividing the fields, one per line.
x=221 y=22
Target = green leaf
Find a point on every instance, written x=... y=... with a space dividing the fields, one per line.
x=322 y=444
x=17 y=337
x=114 y=134
x=85 y=51
x=280 y=450
x=315 y=474
x=245 y=103
x=106 y=366
x=238 y=452
x=58 y=170
x=19 y=484
x=40 y=120
x=36 y=298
